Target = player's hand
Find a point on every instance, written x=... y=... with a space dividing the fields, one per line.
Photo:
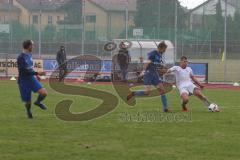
x=38 y=77
x=41 y=73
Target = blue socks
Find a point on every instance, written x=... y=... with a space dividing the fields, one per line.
x=40 y=98
x=163 y=98
x=164 y=101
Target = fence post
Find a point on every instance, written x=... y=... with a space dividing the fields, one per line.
x=210 y=44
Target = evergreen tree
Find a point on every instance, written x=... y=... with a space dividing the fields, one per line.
x=219 y=22
x=236 y=26
x=159 y=16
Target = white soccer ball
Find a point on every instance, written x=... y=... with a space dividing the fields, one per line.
x=213 y=108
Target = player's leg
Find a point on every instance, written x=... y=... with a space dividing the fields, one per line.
x=28 y=109
x=42 y=94
x=197 y=92
x=163 y=96
x=161 y=88
x=26 y=98
x=164 y=103
x=146 y=91
x=185 y=98
x=37 y=88
x=148 y=78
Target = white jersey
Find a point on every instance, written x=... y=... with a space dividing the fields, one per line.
x=183 y=76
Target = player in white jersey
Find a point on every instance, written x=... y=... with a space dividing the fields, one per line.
x=184 y=82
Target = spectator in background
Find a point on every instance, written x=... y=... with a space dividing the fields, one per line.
x=141 y=59
x=62 y=63
x=123 y=59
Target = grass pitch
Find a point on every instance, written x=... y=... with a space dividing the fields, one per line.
x=207 y=136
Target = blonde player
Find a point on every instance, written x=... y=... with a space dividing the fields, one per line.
x=184 y=82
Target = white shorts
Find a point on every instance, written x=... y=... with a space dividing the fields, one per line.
x=187 y=89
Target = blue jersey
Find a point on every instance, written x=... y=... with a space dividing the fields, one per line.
x=25 y=67
x=151 y=76
x=26 y=79
x=156 y=60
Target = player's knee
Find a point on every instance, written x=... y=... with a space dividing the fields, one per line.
x=43 y=92
x=185 y=99
x=197 y=92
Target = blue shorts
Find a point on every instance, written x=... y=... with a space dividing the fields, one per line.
x=152 y=78
x=26 y=87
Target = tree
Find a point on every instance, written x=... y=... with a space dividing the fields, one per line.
x=236 y=26
x=219 y=22
x=19 y=32
x=73 y=8
x=230 y=27
x=158 y=15
x=49 y=33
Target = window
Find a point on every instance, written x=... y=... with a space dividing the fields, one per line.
x=90 y=35
x=91 y=19
x=35 y=19
x=50 y=20
x=58 y=18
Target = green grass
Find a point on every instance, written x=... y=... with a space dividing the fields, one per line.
x=208 y=136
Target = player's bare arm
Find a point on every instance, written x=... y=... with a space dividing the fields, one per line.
x=194 y=79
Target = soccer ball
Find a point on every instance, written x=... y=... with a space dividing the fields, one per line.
x=213 y=108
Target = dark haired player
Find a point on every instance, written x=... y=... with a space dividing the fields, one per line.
x=27 y=81
x=152 y=76
x=184 y=82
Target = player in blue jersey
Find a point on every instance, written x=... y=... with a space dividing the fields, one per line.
x=152 y=76
x=27 y=80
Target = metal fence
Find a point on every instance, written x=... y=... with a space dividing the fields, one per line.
x=209 y=31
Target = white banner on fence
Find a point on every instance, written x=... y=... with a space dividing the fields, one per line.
x=4 y=28
x=8 y=67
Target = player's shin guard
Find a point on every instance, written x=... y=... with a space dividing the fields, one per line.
x=164 y=102
x=28 y=109
x=40 y=98
x=206 y=102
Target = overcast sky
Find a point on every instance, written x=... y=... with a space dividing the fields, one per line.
x=191 y=3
